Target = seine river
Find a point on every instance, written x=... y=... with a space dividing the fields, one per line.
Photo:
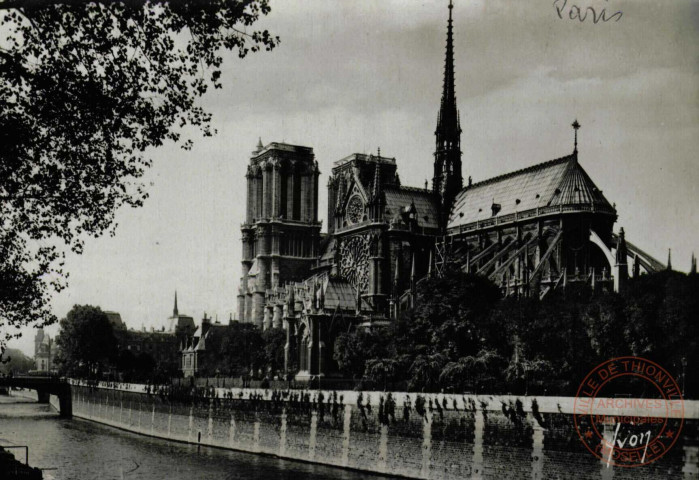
x=82 y=450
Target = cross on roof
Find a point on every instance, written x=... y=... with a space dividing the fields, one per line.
x=576 y=127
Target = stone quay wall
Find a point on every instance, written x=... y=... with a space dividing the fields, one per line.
x=449 y=437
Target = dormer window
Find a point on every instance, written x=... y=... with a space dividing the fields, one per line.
x=495 y=207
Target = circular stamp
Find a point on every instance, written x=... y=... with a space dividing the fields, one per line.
x=628 y=411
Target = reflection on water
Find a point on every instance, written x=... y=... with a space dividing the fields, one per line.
x=78 y=449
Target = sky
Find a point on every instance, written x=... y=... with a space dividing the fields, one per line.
x=352 y=76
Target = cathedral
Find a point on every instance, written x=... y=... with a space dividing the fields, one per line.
x=530 y=231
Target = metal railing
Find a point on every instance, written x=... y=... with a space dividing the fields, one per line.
x=525 y=214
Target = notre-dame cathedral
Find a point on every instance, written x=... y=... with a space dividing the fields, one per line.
x=529 y=231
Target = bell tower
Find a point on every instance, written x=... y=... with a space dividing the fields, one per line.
x=281 y=232
x=447 y=180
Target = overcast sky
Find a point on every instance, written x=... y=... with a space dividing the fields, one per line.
x=351 y=76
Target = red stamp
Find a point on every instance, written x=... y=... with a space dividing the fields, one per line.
x=628 y=411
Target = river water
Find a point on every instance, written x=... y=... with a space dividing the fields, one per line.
x=81 y=450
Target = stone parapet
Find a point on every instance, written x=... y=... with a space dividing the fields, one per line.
x=427 y=436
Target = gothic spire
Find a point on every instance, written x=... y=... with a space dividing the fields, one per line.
x=693 y=267
x=174 y=310
x=669 y=259
x=448 y=121
x=447 y=180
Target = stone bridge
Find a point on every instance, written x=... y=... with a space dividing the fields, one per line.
x=45 y=386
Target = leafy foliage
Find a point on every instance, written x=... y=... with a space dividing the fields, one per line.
x=86 y=88
x=16 y=362
x=241 y=350
x=352 y=350
x=462 y=338
x=274 y=340
x=87 y=345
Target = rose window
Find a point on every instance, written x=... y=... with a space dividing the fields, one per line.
x=354 y=262
x=355 y=210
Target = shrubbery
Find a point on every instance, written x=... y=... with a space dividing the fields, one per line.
x=462 y=337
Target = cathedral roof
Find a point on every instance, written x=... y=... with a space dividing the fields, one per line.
x=327 y=249
x=339 y=295
x=363 y=157
x=399 y=198
x=556 y=183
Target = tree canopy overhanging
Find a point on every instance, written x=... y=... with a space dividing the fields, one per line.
x=86 y=88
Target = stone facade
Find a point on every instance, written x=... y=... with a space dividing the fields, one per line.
x=44 y=351
x=281 y=232
x=200 y=349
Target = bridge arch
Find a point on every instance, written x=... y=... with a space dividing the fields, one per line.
x=45 y=387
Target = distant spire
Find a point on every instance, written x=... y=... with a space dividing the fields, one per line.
x=669 y=259
x=576 y=127
x=174 y=310
x=259 y=144
x=693 y=268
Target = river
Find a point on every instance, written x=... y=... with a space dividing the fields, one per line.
x=77 y=449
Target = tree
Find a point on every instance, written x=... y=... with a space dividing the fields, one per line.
x=471 y=372
x=86 y=88
x=87 y=345
x=15 y=362
x=127 y=364
x=381 y=371
x=425 y=371
x=274 y=340
x=522 y=371
x=353 y=349
x=241 y=350
x=451 y=313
